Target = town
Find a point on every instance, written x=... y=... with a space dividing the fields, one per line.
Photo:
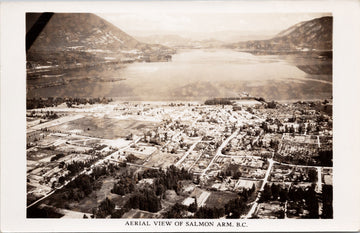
x=225 y=158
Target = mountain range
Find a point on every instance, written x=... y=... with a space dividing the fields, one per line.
x=312 y=35
x=210 y=40
x=83 y=55
x=82 y=39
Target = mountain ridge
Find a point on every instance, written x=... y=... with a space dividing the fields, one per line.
x=311 y=35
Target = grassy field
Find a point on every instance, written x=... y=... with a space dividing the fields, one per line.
x=38 y=153
x=161 y=159
x=219 y=199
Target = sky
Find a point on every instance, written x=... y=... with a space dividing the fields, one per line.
x=204 y=23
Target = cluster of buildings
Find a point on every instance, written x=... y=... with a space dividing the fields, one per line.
x=226 y=150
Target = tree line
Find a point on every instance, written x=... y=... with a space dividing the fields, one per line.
x=297 y=197
x=322 y=158
x=33 y=103
x=82 y=186
x=149 y=197
x=234 y=208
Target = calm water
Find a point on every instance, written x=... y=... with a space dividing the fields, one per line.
x=200 y=74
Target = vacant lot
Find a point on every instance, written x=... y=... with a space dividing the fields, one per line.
x=247 y=184
x=219 y=199
x=142 y=151
x=161 y=159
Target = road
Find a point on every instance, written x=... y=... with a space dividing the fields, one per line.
x=137 y=165
x=69 y=118
x=85 y=171
x=285 y=210
x=304 y=166
x=197 y=159
x=241 y=156
x=188 y=152
x=218 y=151
x=271 y=163
x=55 y=122
x=255 y=204
x=319 y=180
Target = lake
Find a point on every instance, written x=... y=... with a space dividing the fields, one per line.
x=196 y=74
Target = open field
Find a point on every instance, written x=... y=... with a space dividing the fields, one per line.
x=246 y=184
x=163 y=160
x=55 y=122
x=217 y=199
x=107 y=128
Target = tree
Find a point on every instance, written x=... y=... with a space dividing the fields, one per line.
x=236 y=175
x=312 y=175
x=193 y=206
x=312 y=202
x=209 y=213
x=301 y=128
x=327 y=198
x=275 y=191
x=144 y=200
x=105 y=208
x=264 y=126
x=271 y=104
x=235 y=207
x=325 y=158
x=61 y=179
x=274 y=144
x=266 y=194
x=292 y=130
x=176 y=211
x=283 y=195
x=280 y=214
x=129 y=137
x=252 y=188
x=118 y=213
x=68 y=104
x=308 y=128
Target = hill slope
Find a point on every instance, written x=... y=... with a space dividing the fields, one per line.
x=310 y=35
x=80 y=39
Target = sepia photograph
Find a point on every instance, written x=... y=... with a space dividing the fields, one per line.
x=179 y=115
